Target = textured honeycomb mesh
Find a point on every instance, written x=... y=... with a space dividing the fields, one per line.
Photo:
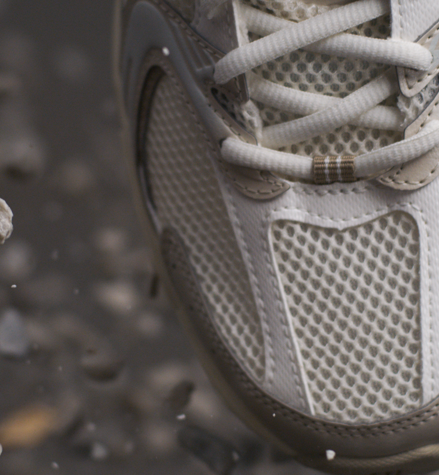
x=413 y=107
x=289 y=9
x=328 y=75
x=353 y=297
x=188 y=199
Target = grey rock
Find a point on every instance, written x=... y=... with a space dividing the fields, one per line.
x=14 y=341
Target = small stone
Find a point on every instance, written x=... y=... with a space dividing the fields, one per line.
x=99 y=451
x=22 y=156
x=163 y=378
x=219 y=455
x=330 y=455
x=119 y=297
x=14 y=341
x=179 y=397
x=100 y=363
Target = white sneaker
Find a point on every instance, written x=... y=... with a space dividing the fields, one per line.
x=283 y=150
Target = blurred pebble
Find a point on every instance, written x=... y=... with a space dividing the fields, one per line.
x=206 y=405
x=22 y=156
x=72 y=65
x=100 y=363
x=17 y=261
x=28 y=427
x=120 y=297
x=111 y=240
x=99 y=451
x=163 y=378
x=179 y=397
x=14 y=341
x=219 y=455
x=5 y=221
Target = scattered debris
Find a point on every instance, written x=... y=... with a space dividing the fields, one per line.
x=100 y=363
x=179 y=398
x=330 y=455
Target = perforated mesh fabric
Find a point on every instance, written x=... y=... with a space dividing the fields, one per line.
x=185 y=7
x=328 y=75
x=289 y=9
x=353 y=297
x=187 y=197
x=414 y=106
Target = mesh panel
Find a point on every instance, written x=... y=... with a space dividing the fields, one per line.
x=324 y=74
x=353 y=297
x=188 y=198
x=289 y=9
x=414 y=106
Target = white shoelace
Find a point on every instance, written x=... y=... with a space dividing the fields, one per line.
x=322 y=114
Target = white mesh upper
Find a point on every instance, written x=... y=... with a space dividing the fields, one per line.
x=353 y=297
x=188 y=199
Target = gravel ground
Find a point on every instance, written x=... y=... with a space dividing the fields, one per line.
x=95 y=374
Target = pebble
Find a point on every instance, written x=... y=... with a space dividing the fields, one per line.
x=163 y=378
x=119 y=297
x=179 y=398
x=219 y=455
x=14 y=341
x=99 y=451
x=22 y=156
x=100 y=363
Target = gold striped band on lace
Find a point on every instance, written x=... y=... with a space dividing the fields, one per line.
x=334 y=169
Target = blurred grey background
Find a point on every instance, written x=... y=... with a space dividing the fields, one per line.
x=96 y=376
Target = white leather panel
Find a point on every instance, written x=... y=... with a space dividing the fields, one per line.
x=341 y=206
x=412 y=18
